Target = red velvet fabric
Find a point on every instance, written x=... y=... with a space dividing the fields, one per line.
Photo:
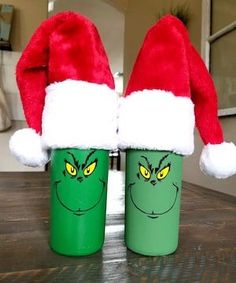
x=167 y=61
x=162 y=62
x=66 y=46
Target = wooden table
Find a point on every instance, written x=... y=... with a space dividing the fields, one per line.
x=206 y=250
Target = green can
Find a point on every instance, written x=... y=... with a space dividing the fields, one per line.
x=152 y=201
x=78 y=200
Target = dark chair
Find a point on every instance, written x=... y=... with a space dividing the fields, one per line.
x=115 y=159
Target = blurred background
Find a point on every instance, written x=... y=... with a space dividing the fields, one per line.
x=122 y=25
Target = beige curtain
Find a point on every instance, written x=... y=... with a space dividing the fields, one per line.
x=5 y=120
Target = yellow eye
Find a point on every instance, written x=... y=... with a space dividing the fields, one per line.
x=145 y=172
x=89 y=170
x=163 y=173
x=71 y=169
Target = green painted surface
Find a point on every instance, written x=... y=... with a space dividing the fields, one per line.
x=153 y=190
x=78 y=200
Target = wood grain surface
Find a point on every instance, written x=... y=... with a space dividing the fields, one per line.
x=206 y=252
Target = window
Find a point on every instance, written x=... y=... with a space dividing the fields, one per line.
x=219 y=50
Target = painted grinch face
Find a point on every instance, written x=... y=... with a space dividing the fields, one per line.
x=78 y=180
x=154 y=189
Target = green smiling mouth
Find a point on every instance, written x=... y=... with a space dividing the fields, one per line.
x=153 y=214
x=79 y=211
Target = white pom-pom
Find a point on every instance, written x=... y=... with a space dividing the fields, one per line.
x=26 y=146
x=219 y=160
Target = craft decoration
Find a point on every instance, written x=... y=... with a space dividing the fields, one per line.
x=78 y=200
x=153 y=193
x=67 y=91
x=168 y=92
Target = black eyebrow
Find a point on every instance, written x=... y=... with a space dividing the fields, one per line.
x=75 y=161
x=149 y=164
x=87 y=158
x=95 y=160
x=160 y=162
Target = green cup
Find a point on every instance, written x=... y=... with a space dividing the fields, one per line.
x=78 y=200
x=152 y=201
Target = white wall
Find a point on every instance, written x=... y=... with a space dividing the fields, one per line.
x=8 y=83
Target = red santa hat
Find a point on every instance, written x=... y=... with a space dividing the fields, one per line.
x=67 y=91
x=168 y=92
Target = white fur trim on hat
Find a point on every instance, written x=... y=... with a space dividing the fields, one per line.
x=26 y=146
x=157 y=120
x=219 y=160
x=80 y=114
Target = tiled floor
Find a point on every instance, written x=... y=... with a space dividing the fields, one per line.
x=7 y=161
